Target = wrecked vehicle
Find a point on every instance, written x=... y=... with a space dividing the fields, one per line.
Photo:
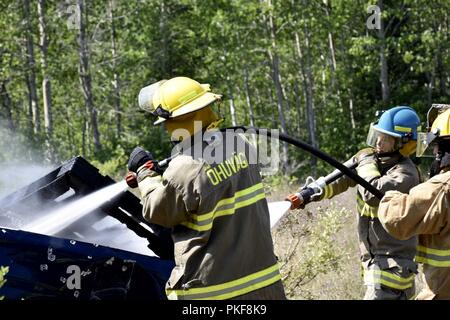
x=108 y=252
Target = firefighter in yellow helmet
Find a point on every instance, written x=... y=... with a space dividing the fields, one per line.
x=425 y=211
x=387 y=263
x=212 y=198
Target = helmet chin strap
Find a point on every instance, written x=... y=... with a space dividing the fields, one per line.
x=388 y=154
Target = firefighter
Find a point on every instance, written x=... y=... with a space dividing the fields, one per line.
x=211 y=196
x=387 y=263
x=425 y=211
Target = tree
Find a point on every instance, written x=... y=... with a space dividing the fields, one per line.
x=46 y=84
x=31 y=72
x=85 y=76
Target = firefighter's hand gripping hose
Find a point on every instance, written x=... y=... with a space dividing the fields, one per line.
x=157 y=166
x=307 y=195
x=315 y=188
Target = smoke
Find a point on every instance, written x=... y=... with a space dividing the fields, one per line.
x=78 y=219
x=14 y=176
x=20 y=162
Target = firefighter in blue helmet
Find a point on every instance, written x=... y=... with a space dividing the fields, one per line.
x=387 y=263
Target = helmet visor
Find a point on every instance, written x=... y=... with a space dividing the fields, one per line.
x=146 y=95
x=424 y=144
x=382 y=141
x=372 y=136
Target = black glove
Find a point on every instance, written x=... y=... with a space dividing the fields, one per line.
x=138 y=157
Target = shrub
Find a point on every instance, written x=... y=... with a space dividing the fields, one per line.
x=3 y=271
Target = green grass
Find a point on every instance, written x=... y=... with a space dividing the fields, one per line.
x=317 y=248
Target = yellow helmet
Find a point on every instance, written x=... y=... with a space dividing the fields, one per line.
x=438 y=119
x=178 y=96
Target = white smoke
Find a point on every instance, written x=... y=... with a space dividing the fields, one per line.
x=20 y=163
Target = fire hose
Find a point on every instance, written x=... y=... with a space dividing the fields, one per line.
x=311 y=189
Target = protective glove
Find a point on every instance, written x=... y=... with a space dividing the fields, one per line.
x=138 y=158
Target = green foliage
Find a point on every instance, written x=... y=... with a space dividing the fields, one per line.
x=276 y=181
x=3 y=272
x=114 y=167
x=321 y=254
x=228 y=44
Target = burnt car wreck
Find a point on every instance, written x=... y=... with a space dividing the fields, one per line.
x=109 y=253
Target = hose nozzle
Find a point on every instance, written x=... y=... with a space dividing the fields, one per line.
x=311 y=189
x=295 y=200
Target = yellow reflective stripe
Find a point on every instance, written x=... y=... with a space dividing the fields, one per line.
x=437 y=252
x=413 y=297
x=226 y=201
x=226 y=290
x=396 y=277
x=394 y=285
x=365 y=210
x=328 y=191
x=188 y=97
x=369 y=170
x=433 y=257
x=402 y=129
x=231 y=204
x=248 y=289
x=432 y=262
x=238 y=205
x=325 y=192
x=388 y=279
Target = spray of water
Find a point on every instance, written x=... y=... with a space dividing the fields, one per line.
x=59 y=219
x=277 y=210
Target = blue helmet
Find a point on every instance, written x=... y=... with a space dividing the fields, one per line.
x=399 y=122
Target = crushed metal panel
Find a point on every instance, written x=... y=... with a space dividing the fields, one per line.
x=42 y=267
x=38 y=264
x=79 y=175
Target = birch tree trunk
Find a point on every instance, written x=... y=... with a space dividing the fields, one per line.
x=31 y=72
x=85 y=77
x=247 y=98
x=231 y=102
x=298 y=105
x=384 y=72
x=46 y=85
x=305 y=67
x=276 y=78
x=116 y=78
x=7 y=106
x=272 y=103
